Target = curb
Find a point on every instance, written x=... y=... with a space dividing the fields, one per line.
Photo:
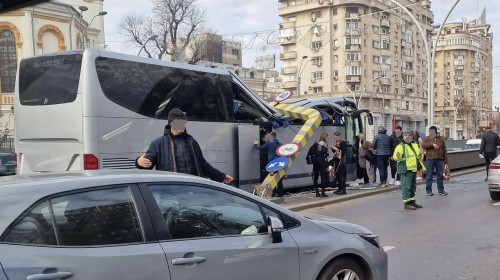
x=337 y=199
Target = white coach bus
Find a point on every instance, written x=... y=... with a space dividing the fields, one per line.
x=95 y=110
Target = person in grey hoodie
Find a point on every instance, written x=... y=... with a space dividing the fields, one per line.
x=382 y=145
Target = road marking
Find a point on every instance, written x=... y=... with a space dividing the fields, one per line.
x=388 y=248
x=497 y=204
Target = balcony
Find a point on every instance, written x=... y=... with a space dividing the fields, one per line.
x=290 y=84
x=353 y=63
x=352 y=15
x=385 y=22
x=459 y=67
x=288 y=55
x=353 y=48
x=287 y=25
x=352 y=32
x=385 y=52
x=386 y=37
x=459 y=77
x=289 y=70
x=385 y=81
x=477 y=69
x=407 y=71
x=288 y=40
x=353 y=78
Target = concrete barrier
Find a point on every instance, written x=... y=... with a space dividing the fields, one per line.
x=465 y=158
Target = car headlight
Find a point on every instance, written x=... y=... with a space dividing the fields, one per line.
x=371 y=238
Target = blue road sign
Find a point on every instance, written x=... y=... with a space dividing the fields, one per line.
x=277 y=164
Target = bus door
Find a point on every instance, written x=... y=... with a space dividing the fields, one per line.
x=248 y=157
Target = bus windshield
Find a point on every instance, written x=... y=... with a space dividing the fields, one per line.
x=49 y=80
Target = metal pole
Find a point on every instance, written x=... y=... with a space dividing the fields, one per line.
x=152 y=37
x=361 y=95
x=430 y=59
x=430 y=97
x=354 y=97
x=300 y=73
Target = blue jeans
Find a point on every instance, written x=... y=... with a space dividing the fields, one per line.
x=382 y=164
x=429 y=165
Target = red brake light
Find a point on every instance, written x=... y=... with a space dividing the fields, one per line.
x=90 y=162
x=495 y=165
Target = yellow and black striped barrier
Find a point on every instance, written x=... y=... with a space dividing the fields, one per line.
x=313 y=120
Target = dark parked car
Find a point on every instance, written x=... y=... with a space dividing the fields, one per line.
x=7 y=164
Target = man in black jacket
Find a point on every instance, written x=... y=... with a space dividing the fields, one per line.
x=396 y=139
x=177 y=151
x=489 y=143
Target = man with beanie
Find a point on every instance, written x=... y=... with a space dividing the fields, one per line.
x=408 y=160
x=271 y=147
x=177 y=151
x=489 y=143
x=382 y=145
x=435 y=157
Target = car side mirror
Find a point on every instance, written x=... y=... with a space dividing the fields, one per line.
x=274 y=229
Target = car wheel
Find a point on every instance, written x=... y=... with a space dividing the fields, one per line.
x=343 y=268
x=495 y=195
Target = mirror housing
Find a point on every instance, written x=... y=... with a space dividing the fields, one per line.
x=274 y=229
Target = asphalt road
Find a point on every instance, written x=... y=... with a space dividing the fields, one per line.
x=451 y=237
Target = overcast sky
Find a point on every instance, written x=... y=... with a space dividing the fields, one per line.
x=238 y=17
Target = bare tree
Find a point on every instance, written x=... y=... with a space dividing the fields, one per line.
x=181 y=28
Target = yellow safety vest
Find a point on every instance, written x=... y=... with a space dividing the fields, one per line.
x=408 y=156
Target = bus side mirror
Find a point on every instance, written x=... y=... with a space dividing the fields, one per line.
x=370 y=118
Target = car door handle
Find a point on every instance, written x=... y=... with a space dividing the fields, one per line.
x=181 y=261
x=49 y=276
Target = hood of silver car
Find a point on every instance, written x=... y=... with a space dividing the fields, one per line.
x=338 y=224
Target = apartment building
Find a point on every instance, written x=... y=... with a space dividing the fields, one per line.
x=368 y=49
x=463 y=78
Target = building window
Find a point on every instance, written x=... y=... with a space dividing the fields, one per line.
x=235 y=52
x=8 y=60
x=335 y=11
x=317 y=75
x=316 y=45
x=252 y=75
x=335 y=58
x=318 y=89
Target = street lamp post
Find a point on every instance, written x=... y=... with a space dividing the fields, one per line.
x=455 y=112
x=82 y=9
x=103 y=13
x=152 y=37
x=363 y=91
x=430 y=57
x=300 y=73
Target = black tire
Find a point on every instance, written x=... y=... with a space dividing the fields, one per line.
x=495 y=195
x=341 y=266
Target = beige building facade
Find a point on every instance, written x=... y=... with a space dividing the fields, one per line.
x=463 y=78
x=368 y=49
x=44 y=28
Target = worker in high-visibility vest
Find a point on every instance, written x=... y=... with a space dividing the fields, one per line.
x=409 y=159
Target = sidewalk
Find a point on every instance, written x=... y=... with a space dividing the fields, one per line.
x=301 y=201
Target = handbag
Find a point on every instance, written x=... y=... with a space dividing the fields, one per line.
x=332 y=172
x=446 y=173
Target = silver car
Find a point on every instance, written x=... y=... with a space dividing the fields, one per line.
x=494 y=179
x=159 y=225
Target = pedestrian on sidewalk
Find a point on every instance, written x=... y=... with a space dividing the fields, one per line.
x=408 y=157
x=340 y=149
x=177 y=151
x=418 y=140
x=271 y=147
x=370 y=160
x=396 y=138
x=436 y=157
x=320 y=164
x=361 y=172
x=382 y=145
x=489 y=143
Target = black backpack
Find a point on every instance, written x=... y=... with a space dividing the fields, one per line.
x=311 y=154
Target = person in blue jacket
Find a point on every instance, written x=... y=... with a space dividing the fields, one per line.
x=271 y=147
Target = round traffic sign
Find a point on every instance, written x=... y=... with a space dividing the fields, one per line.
x=288 y=149
x=277 y=164
x=283 y=96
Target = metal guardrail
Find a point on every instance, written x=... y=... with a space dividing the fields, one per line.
x=465 y=159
